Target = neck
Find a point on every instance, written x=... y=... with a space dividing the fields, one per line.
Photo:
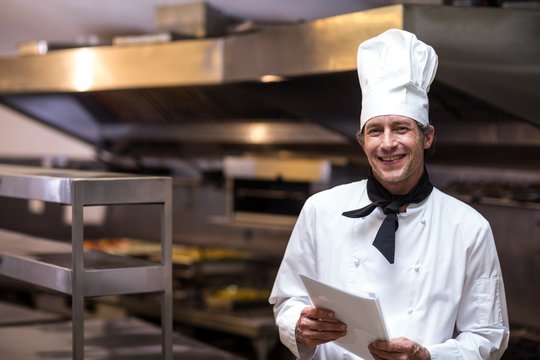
x=401 y=187
x=403 y=208
x=398 y=189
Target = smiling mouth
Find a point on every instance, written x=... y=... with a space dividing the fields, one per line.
x=392 y=158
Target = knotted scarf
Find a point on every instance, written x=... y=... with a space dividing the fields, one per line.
x=385 y=240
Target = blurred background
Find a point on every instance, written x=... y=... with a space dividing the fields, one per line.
x=249 y=107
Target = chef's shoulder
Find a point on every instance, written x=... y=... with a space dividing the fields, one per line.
x=457 y=211
x=339 y=198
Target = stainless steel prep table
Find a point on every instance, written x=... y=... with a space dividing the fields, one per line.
x=14 y=314
x=117 y=339
x=256 y=324
x=70 y=269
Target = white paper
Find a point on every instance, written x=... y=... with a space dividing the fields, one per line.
x=361 y=313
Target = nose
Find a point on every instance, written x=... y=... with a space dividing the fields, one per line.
x=388 y=139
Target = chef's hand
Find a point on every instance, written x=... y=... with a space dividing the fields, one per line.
x=318 y=326
x=398 y=349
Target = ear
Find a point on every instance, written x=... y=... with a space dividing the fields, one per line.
x=360 y=138
x=429 y=136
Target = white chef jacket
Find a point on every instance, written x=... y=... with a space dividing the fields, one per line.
x=444 y=291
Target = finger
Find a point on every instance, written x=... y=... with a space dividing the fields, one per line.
x=322 y=335
x=321 y=325
x=394 y=345
x=379 y=354
x=376 y=357
x=330 y=326
x=397 y=349
x=318 y=326
x=317 y=313
x=311 y=338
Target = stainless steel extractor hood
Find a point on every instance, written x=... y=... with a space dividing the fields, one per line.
x=288 y=87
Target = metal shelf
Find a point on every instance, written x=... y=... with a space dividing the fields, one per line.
x=67 y=268
x=66 y=186
x=126 y=338
x=17 y=315
x=48 y=263
x=257 y=324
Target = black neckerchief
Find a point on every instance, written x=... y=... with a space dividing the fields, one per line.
x=385 y=240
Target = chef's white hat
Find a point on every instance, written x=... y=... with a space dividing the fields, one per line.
x=395 y=70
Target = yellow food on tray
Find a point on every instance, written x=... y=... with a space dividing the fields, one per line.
x=181 y=254
x=191 y=254
x=233 y=297
x=123 y=246
x=235 y=293
x=107 y=244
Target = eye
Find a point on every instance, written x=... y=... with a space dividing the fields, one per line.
x=402 y=129
x=374 y=131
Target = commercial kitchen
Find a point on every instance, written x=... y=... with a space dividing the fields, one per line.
x=208 y=134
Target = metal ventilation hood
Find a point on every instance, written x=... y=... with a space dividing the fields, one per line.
x=211 y=96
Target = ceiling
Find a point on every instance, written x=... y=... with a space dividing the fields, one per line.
x=483 y=53
x=68 y=21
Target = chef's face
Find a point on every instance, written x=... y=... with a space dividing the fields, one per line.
x=394 y=146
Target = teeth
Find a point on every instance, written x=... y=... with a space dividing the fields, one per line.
x=391 y=158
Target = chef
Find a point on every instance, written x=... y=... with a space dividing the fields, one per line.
x=429 y=258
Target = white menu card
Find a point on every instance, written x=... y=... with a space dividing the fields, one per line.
x=360 y=312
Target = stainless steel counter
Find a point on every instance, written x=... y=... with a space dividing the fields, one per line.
x=13 y=314
x=128 y=338
x=256 y=324
x=64 y=270
x=48 y=263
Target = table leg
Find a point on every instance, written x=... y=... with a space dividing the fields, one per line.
x=263 y=345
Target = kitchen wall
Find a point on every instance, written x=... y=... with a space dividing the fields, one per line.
x=21 y=137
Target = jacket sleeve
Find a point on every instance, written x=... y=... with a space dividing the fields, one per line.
x=482 y=322
x=288 y=295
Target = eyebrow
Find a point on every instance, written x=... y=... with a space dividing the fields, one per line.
x=393 y=124
x=403 y=122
